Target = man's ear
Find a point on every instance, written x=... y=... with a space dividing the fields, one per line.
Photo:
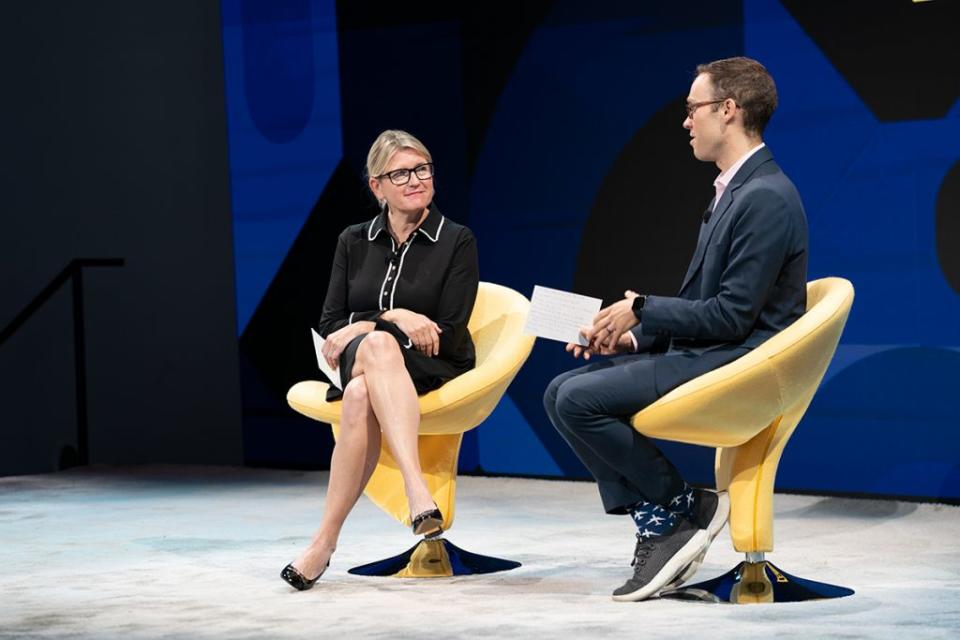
x=729 y=110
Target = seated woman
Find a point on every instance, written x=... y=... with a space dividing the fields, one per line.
x=395 y=318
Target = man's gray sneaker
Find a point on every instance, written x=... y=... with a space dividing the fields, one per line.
x=710 y=512
x=658 y=560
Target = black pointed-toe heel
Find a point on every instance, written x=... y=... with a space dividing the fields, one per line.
x=296 y=579
x=428 y=523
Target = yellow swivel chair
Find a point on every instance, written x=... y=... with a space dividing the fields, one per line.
x=496 y=326
x=748 y=409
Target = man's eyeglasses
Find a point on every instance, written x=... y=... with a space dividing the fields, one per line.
x=402 y=176
x=693 y=106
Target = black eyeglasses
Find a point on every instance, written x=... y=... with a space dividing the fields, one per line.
x=402 y=176
x=693 y=106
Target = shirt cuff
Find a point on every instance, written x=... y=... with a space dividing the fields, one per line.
x=633 y=339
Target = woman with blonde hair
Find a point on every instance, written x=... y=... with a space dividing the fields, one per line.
x=395 y=318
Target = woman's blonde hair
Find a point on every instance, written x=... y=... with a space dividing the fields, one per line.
x=387 y=144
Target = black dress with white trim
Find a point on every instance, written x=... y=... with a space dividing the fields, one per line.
x=433 y=273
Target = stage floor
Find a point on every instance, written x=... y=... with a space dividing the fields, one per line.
x=196 y=552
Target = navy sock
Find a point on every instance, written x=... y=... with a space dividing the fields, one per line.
x=682 y=504
x=652 y=520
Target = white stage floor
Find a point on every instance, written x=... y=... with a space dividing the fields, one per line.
x=191 y=552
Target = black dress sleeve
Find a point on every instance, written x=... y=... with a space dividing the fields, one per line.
x=458 y=294
x=336 y=313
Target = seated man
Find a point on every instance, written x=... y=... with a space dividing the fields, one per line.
x=746 y=282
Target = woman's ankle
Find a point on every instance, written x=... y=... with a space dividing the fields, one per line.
x=323 y=544
x=421 y=506
x=419 y=498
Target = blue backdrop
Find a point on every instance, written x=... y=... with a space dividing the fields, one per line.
x=283 y=114
x=528 y=167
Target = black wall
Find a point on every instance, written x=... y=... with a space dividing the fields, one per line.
x=114 y=145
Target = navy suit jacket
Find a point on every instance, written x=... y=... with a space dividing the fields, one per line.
x=747 y=279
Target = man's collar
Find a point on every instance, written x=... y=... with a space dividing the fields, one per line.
x=430 y=227
x=726 y=177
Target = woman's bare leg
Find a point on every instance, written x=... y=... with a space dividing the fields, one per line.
x=354 y=459
x=394 y=401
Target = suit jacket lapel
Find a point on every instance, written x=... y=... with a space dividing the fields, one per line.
x=701 y=247
x=726 y=200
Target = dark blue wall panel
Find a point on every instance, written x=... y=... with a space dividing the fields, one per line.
x=567 y=122
x=283 y=109
x=886 y=419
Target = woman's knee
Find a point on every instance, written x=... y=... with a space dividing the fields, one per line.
x=378 y=347
x=356 y=391
x=356 y=401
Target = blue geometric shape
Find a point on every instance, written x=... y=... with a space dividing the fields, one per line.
x=869 y=189
x=278 y=66
x=508 y=444
x=886 y=424
x=574 y=107
x=284 y=144
x=815 y=103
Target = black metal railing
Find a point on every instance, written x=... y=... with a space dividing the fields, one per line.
x=73 y=272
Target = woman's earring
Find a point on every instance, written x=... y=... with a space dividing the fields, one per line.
x=383 y=204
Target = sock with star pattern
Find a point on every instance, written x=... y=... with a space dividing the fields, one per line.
x=682 y=504
x=652 y=520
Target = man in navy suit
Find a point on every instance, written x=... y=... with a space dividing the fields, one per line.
x=746 y=282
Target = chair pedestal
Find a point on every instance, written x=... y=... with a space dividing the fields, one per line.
x=757 y=583
x=434 y=558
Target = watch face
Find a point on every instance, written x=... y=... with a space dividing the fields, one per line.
x=638 y=303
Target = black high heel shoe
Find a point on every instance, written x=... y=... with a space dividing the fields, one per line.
x=296 y=579
x=428 y=523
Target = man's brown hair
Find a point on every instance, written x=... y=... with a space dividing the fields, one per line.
x=749 y=84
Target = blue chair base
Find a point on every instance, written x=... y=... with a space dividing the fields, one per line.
x=434 y=558
x=756 y=583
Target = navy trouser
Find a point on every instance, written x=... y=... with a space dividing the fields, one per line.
x=591 y=408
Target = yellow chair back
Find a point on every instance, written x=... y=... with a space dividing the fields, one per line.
x=750 y=407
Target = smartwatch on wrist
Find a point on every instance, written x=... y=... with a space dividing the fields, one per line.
x=638 y=303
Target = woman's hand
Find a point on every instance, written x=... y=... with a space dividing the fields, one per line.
x=422 y=331
x=336 y=342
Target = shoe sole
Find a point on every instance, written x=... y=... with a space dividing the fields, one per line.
x=713 y=528
x=684 y=556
